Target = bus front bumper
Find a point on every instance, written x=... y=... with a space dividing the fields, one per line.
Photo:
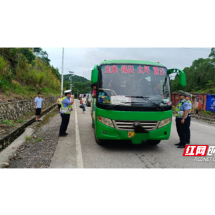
x=108 y=133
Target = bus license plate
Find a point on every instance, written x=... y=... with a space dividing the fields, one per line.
x=131 y=134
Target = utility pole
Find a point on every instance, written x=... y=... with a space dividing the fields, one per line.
x=70 y=78
x=62 y=72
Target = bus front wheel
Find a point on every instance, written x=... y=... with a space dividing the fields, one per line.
x=153 y=142
x=98 y=141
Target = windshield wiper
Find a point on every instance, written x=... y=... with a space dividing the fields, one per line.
x=112 y=106
x=158 y=106
x=141 y=97
x=149 y=101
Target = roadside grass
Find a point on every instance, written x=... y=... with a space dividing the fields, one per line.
x=39 y=139
x=27 y=138
x=207 y=113
x=20 y=121
x=47 y=117
x=8 y=122
x=208 y=121
x=52 y=115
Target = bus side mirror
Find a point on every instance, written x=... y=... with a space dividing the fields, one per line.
x=94 y=75
x=182 y=79
x=182 y=76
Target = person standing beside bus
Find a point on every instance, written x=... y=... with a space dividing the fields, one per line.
x=181 y=112
x=188 y=97
x=94 y=90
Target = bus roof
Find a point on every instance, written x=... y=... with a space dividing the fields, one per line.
x=130 y=62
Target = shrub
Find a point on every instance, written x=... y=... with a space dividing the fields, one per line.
x=20 y=121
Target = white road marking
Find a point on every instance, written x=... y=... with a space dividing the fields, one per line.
x=203 y=125
x=78 y=143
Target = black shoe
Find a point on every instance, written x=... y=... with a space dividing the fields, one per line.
x=180 y=147
x=177 y=144
x=66 y=133
x=62 y=135
x=188 y=143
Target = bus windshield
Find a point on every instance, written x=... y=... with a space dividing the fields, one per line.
x=136 y=85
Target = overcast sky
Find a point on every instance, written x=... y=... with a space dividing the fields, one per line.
x=82 y=60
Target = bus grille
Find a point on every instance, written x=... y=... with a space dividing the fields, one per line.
x=128 y=125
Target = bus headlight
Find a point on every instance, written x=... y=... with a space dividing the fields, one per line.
x=106 y=121
x=164 y=122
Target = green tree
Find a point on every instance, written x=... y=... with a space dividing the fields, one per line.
x=28 y=54
x=212 y=54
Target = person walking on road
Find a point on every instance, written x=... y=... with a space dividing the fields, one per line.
x=66 y=108
x=38 y=105
x=188 y=98
x=59 y=102
x=84 y=100
x=181 y=112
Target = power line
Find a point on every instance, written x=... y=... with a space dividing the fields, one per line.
x=198 y=49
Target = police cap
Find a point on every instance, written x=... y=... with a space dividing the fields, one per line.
x=182 y=93
x=67 y=92
x=188 y=95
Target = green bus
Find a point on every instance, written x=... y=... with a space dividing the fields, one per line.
x=133 y=101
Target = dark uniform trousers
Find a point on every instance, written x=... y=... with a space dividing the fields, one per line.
x=188 y=129
x=181 y=129
x=64 y=123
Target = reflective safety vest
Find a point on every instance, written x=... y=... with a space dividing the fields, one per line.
x=177 y=109
x=191 y=108
x=66 y=110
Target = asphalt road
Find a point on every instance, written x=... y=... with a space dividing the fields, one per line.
x=79 y=149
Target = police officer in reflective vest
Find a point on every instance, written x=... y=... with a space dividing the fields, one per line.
x=188 y=98
x=66 y=108
x=181 y=112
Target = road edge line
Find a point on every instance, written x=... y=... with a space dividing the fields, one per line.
x=79 y=157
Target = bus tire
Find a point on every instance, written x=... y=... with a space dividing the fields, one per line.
x=99 y=141
x=153 y=142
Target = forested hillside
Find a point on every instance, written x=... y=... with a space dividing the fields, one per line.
x=200 y=76
x=79 y=83
x=24 y=72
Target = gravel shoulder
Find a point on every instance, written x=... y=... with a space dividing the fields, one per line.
x=39 y=149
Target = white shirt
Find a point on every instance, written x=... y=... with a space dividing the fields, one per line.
x=84 y=101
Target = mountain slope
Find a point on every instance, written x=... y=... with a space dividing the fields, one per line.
x=79 y=83
x=26 y=71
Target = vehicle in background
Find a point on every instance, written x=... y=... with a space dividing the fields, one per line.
x=89 y=100
x=80 y=96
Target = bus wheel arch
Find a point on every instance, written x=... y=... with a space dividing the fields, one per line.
x=99 y=141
